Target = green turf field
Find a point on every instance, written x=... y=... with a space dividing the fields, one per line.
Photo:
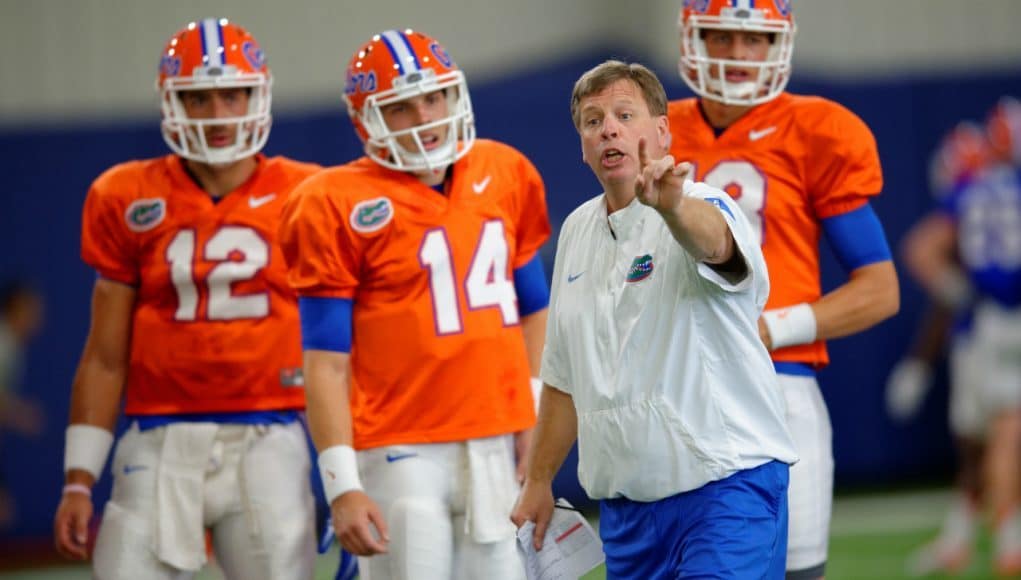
x=872 y=538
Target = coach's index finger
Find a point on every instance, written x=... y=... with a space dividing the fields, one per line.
x=643 y=154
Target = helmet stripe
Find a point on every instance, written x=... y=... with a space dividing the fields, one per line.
x=219 y=38
x=411 y=51
x=202 y=39
x=400 y=50
x=212 y=42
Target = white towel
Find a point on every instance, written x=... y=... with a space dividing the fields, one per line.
x=492 y=488
x=179 y=537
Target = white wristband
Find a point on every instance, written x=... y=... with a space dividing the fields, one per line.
x=86 y=448
x=338 y=468
x=791 y=325
x=77 y=488
x=536 y=391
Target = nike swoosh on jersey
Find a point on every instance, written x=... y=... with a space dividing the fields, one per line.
x=481 y=186
x=754 y=135
x=129 y=469
x=572 y=278
x=391 y=457
x=254 y=202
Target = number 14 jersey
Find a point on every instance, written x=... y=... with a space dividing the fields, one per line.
x=437 y=352
x=788 y=163
x=215 y=326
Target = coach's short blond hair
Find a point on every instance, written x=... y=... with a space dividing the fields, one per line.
x=596 y=79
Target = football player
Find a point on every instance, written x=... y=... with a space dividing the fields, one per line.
x=423 y=309
x=800 y=167
x=193 y=323
x=962 y=153
x=978 y=230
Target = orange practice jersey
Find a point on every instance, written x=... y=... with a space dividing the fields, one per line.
x=789 y=163
x=215 y=326
x=437 y=351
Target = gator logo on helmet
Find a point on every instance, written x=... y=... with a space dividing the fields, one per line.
x=145 y=214
x=170 y=65
x=640 y=269
x=372 y=214
x=441 y=54
x=254 y=55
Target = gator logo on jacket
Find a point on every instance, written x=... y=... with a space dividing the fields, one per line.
x=640 y=269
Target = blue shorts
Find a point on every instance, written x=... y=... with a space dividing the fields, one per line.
x=731 y=528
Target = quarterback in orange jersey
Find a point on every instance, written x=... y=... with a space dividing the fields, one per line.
x=800 y=167
x=423 y=307
x=193 y=322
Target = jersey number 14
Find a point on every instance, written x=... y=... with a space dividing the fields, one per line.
x=485 y=286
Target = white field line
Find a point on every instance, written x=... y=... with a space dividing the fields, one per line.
x=894 y=512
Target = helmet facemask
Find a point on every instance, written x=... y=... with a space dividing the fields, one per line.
x=381 y=143
x=187 y=137
x=771 y=74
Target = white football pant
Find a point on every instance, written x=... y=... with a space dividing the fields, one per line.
x=997 y=335
x=810 y=495
x=251 y=489
x=437 y=511
x=968 y=417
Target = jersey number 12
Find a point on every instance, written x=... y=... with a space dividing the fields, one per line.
x=225 y=247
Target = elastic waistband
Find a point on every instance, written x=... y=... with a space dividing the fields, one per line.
x=146 y=422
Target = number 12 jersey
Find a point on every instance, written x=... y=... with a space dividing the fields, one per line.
x=215 y=325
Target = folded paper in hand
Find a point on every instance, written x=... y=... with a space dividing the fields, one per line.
x=571 y=547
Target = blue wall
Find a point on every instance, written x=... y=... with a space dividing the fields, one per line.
x=52 y=169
